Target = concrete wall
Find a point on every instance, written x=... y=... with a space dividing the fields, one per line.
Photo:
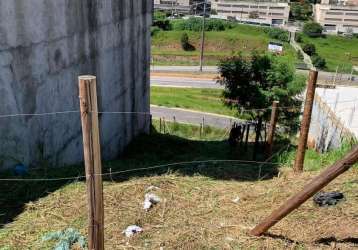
x=44 y=46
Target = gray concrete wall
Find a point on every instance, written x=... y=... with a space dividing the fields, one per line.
x=44 y=46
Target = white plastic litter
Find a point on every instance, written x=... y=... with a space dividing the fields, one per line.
x=132 y=230
x=150 y=200
x=151 y=188
x=236 y=200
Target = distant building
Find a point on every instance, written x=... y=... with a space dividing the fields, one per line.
x=179 y=6
x=263 y=12
x=338 y=16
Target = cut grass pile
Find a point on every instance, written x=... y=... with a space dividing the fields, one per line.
x=195 y=213
x=167 y=50
x=205 y=100
x=337 y=51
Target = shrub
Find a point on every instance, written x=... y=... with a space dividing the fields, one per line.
x=184 y=40
x=312 y=29
x=298 y=38
x=319 y=61
x=278 y=34
x=154 y=30
x=309 y=49
x=160 y=20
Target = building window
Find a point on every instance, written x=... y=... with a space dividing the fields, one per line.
x=334 y=13
x=276 y=14
x=333 y=19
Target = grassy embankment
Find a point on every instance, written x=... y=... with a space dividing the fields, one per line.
x=337 y=51
x=167 y=50
x=205 y=100
x=197 y=211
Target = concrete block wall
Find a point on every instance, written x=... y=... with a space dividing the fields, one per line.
x=44 y=46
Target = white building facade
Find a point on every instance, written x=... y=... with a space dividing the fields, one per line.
x=274 y=13
x=338 y=17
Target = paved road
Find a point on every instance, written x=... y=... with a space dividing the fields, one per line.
x=322 y=76
x=192 y=117
x=184 y=82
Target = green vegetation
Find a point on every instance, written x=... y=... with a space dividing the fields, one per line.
x=341 y=52
x=205 y=100
x=314 y=161
x=195 y=24
x=312 y=29
x=255 y=82
x=160 y=21
x=318 y=61
x=301 y=10
x=184 y=40
x=191 y=132
x=167 y=49
x=278 y=34
x=309 y=49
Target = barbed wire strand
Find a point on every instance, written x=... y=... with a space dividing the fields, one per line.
x=244 y=162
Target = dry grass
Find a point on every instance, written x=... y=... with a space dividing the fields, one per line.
x=196 y=213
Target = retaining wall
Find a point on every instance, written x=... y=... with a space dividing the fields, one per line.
x=44 y=46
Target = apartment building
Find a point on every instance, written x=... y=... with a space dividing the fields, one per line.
x=264 y=12
x=176 y=6
x=338 y=16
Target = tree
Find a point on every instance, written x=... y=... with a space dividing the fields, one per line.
x=309 y=49
x=312 y=29
x=301 y=10
x=254 y=82
x=319 y=61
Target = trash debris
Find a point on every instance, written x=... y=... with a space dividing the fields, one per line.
x=150 y=200
x=328 y=199
x=66 y=239
x=151 y=188
x=236 y=200
x=132 y=230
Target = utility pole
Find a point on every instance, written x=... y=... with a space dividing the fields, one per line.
x=202 y=39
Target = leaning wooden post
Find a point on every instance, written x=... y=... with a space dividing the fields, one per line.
x=272 y=128
x=92 y=158
x=306 y=121
x=308 y=191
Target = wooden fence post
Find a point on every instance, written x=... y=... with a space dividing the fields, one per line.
x=308 y=191
x=257 y=138
x=247 y=136
x=92 y=159
x=272 y=128
x=306 y=122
